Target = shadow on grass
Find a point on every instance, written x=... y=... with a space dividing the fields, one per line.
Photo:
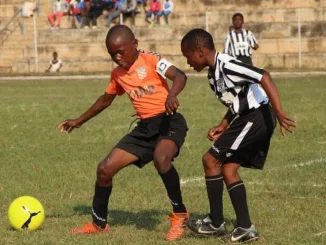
x=144 y=219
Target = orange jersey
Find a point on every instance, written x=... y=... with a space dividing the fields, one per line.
x=144 y=82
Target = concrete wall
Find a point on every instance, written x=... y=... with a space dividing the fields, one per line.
x=274 y=23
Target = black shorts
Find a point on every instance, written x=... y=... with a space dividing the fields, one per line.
x=246 y=140
x=142 y=140
x=245 y=59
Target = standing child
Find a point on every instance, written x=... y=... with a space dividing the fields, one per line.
x=158 y=136
x=243 y=136
x=239 y=41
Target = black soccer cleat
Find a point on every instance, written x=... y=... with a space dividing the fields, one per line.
x=205 y=227
x=240 y=234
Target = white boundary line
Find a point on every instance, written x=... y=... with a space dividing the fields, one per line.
x=201 y=180
x=203 y=74
x=310 y=162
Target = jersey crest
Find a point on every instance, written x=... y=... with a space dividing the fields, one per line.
x=141 y=72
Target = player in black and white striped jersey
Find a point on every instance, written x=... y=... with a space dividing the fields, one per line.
x=243 y=136
x=240 y=42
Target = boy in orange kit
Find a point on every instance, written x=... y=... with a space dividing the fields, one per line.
x=158 y=136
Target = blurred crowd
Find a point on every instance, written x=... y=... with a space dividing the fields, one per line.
x=85 y=13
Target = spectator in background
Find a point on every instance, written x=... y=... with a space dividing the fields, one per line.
x=77 y=10
x=86 y=13
x=167 y=10
x=55 y=64
x=130 y=12
x=28 y=9
x=59 y=9
x=151 y=15
x=96 y=9
x=142 y=3
x=118 y=8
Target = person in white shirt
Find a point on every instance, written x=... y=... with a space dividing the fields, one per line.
x=28 y=9
x=55 y=64
x=59 y=9
x=239 y=42
x=166 y=11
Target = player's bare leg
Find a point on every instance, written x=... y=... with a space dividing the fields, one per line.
x=165 y=151
x=106 y=170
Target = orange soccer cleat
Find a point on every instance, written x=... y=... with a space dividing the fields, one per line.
x=90 y=228
x=177 y=227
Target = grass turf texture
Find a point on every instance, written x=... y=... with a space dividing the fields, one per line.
x=287 y=199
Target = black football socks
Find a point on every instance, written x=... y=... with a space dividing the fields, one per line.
x=171 y=181
x=214 y=187
x=237 y=192
x=100 y=205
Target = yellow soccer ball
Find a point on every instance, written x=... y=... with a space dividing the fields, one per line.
x=26 y=213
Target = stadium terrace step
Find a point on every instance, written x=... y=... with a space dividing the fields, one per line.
x=274 y=23
x=241 y=5
x=159 y=34
x=222 y=18
x=11 y=2
x=7 y=10
x=171 y=48
x=72 y=65
x=106 y=65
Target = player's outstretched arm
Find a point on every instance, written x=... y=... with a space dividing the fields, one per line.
x=179 y=79
x=101 y=103
x=286 y=123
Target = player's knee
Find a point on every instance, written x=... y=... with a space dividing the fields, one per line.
x=230 y=175
x=162 y=163
x=106 y=170
x=209 y=161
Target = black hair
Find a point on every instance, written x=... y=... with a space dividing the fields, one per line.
x=196 y=38
x=55 y=53
x=120 y=30
x=237 y=14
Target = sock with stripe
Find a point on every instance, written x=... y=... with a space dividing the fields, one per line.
x=100 y=205
x=214 y=187
x=237 y=192
x=171 y=181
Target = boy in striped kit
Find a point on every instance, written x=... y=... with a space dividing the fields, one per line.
x=239 y=41
x=243 y=136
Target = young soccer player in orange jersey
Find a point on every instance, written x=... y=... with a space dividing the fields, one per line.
x=158 y=135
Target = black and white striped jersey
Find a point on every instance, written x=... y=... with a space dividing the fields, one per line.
x=239 y=44
x=236 y=84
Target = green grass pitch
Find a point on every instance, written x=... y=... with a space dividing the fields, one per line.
x=287 y=200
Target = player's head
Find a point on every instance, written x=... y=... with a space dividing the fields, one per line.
x=55 y=55
x=237 y=20
x=122 y=46
x=195 y=46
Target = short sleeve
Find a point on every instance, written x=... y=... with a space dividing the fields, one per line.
x=239 y=72
x=114 y=87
